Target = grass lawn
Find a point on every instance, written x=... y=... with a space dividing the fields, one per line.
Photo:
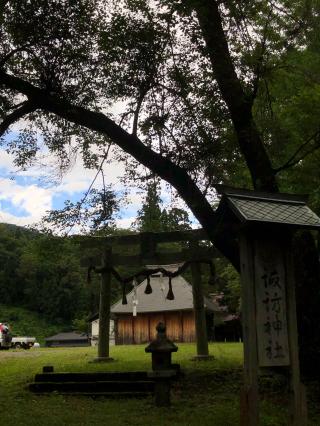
x=207 y=395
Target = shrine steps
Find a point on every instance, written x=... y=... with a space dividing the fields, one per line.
x=92 y=376
x=110 y=385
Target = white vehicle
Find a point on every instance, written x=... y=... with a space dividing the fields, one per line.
x=5 y=336
x=23 y=342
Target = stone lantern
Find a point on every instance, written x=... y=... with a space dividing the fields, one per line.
x=161 y=349
x=163 y=370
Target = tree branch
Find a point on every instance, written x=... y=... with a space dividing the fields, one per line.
x=259 y=65
x=18 y=113
x=137 y=111
x=163 y=167
x=294 y=159
x=13 y=52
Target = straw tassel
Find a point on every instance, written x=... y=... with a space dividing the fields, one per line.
x=134 y=297
x=170 y=295
x=148 y=289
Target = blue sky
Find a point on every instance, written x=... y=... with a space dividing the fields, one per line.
x=25 y=196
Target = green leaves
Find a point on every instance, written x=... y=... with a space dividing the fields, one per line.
x=151 y=218
x=24 y=147
x=287 y=111
x=131 y=49
x=40 y=273
x=95 y=212
x=152 y=65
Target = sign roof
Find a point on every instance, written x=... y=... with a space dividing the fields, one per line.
x=269 y=208
x=274 y=211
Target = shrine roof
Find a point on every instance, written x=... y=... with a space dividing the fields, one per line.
x=255 y=207
x=157 y=302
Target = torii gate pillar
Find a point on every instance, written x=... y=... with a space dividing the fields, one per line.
x=104 y=309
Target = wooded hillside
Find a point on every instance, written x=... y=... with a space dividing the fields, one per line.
x=42 y=274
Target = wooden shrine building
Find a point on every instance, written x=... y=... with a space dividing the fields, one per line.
x=177 y=314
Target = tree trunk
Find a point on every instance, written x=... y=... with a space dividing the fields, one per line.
x=307 y=273
x=238 y=102
x=263 y=177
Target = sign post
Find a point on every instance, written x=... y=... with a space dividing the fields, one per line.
x=264 y=224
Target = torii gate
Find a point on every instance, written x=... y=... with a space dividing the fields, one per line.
x=148 y=242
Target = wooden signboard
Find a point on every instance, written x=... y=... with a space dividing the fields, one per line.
x=265 y=224
x=271 y=309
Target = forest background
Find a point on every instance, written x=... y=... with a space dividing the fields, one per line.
x=41 y=273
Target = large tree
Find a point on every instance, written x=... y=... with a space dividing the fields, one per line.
x=152 y=218
x=202 y=82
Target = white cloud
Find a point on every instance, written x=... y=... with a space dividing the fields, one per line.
x=73 y=186
x=6 y=162
x=6 y=217
x=26 y=199
x=34 y=200
x=125 y=222
x=23 y=204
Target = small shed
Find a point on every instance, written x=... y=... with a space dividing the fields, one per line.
x=177 y=314
x=68 y=339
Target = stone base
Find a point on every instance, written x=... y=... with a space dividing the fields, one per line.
x=47 y=369
x=202 y=358
x=102 y=359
